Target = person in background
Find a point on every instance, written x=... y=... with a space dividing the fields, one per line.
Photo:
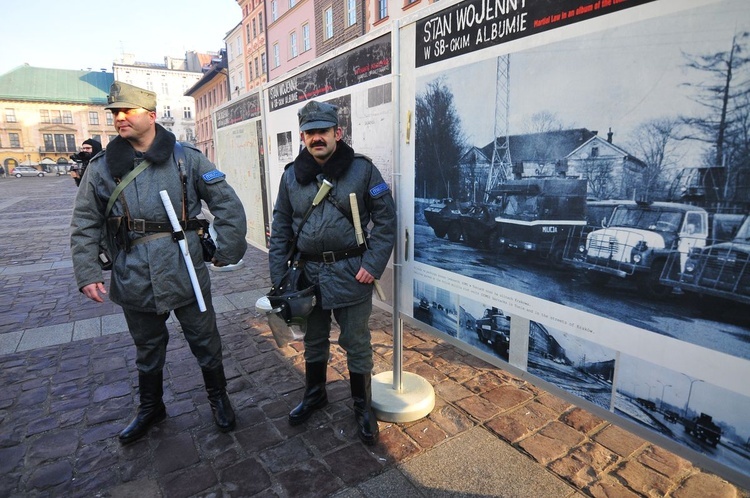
x=89 y=149
x=149 y=277
x=342 y=270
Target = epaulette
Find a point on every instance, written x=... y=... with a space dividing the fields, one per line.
x=362 y=156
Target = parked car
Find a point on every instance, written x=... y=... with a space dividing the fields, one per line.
x=20 y=171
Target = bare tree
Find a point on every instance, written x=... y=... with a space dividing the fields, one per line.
x=439 y=141
x=656 y=142
x=543 y=122
x=599 y=173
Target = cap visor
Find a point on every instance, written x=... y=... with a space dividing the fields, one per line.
x=121 y=105
x=317 y=125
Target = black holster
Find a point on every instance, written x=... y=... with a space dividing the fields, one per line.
x=117 y=231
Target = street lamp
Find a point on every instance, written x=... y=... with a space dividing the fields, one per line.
x=690 y=392
x=663 y=387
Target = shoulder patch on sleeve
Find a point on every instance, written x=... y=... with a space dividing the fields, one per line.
x=379 y=190
x=213 y=176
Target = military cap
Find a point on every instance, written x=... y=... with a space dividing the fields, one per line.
x=317 y=115
x=125 y=96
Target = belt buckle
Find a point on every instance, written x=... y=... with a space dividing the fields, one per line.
x=139 y=225
x=329 y=257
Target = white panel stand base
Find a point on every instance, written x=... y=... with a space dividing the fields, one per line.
x=416 y=399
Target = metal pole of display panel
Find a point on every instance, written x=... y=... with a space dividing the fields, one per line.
x=399 y=396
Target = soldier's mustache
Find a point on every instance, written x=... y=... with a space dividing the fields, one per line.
x=318 y=143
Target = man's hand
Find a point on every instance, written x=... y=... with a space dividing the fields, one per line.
x=363 y=276
x=92 y=291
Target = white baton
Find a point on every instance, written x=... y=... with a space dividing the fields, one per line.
x=183 y=248
x=361 y=237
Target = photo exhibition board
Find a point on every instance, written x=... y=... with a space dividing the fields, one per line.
x=240 y=155
x=555 y=163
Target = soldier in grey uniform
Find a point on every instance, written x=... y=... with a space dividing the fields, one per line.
x=149 y=274
x=342 y=271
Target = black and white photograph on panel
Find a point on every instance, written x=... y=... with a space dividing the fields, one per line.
x=288 y=146
x=702 y=416
x=574 y=364
x=606 y=171
x=485 y=326
x=436 y=306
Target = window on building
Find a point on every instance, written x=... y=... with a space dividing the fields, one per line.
x=260 y=22
x=274 y=11
x=276 y=55
x=328 y=23
x=109 y=119
x=255 y=63
x=98 y=138
x=44 y=115
x=67 y=117
x=264 y=63
x=49 y=144
x=10 y=115
x=292 y=3
x=250 y=71
x=56 y=117
x=187 y=112
x=15 y=140
x=351 y=12
x=594 y=151
x=164 y=87
x=167 y=111
x=293 y=45
x=247 y=32
x=60 y=145
x=111 y=137
x=70 y=141
x=382 y=9
x=255 y=30
x=305 y=37
x=93 y=118
x=150 y=86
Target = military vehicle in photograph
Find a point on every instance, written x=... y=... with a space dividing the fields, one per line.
x=444 y=217
x=720 y=270
x=534 y=215
x=703 y=428
x=493 y=329
x=639 y=241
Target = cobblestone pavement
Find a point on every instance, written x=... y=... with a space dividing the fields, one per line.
x=61 y=406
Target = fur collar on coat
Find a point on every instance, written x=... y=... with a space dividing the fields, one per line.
x=121 y=157
x=306 y=169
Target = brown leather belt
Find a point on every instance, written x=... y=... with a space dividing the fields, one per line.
x=329 y=257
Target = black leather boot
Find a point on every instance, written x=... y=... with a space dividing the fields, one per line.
x=216 y=387
x=361 y=385
x=315 y=396
x=151 y=410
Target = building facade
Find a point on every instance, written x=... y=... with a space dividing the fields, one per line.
x=209 y=92
x=254 y=38
x=48 y=113
x=170 y=81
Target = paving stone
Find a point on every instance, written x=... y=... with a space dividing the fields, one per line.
x=394 y=445
x=136 y=489
x=175 y=453
x=612 y=489
x=618 y=440
x=285 y=455
x=450 y=419
x=643 y=479
x=181 y=485
x=94 y=457
x=245 y=478
x=519 y=423
x=101 y=432
x=705 y=486
x=258 y=437
x=584 y=464
x=581 y=420
x=52 y=445
x=426 y=433
x=551 y=442
x=40 y=425
x=353 y=463
x=507 y=397
x=479 y=408
x=109 y=391
x=11 y=458
x=310 y=479
x=50 y=475
x=664 y=462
